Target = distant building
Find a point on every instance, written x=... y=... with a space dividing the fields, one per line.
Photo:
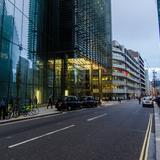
x=140 y=61
x=147 y=83
x=126 y=77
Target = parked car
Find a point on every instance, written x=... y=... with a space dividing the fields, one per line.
x=88 y=101
x=68 y=102
x=147 y=101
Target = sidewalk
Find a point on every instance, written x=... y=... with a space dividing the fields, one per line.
x=157 y=130
x=43 y=111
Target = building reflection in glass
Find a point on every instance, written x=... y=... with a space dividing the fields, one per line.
x=64 y=56
x=14 y=66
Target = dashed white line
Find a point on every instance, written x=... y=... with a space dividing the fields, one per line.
x=38 y=137
x=93 y=118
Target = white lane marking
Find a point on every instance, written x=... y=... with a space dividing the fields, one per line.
x=91 y=119
x=38 y=137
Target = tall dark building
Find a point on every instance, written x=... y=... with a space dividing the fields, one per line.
x=158 y=7
x=75 y=26
x=70 y=45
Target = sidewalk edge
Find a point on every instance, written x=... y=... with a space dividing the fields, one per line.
x=27 y=118
x=157 y=131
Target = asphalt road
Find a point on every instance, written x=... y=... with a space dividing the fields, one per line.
x=104 y=133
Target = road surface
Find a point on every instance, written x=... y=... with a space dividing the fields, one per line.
x=105 y=133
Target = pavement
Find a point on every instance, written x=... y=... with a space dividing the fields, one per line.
x=157 y=131
x=43 y=111
x=114 y=132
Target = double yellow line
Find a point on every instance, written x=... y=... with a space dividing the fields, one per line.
x=145 y=148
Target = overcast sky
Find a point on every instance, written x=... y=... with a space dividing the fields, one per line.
x=135 y=25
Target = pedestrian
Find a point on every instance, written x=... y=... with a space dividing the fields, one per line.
x=3 y=108
x=11 y=104
x=139 y=100
x=35 y=101
x=30 y=102
x=50 y=102
x=119 y=100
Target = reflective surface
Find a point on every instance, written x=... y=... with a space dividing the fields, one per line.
x=14 y=66
x=51 y=48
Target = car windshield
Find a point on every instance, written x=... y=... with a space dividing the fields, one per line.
x=86 y=98
x=148 y=98
x=70 y=98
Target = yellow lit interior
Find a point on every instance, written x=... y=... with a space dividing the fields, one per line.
x=83 y=63
x=38 y=95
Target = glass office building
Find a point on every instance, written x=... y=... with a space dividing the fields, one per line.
x=158 y=7
x=14 y=66
x=73 y=46
x=54 y=47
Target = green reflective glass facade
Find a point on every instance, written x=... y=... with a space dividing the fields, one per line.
x=14 y=65
x=53 y=47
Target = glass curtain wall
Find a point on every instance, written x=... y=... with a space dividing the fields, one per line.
x=68 y=50
x=16 y=71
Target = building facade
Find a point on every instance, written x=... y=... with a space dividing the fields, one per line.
x=72 y=46
x=140 y=61
x=14 y=65
x=126 y=73
x=158 y=8
x=60 y=47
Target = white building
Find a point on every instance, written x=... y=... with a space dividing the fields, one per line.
x=128 y=79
